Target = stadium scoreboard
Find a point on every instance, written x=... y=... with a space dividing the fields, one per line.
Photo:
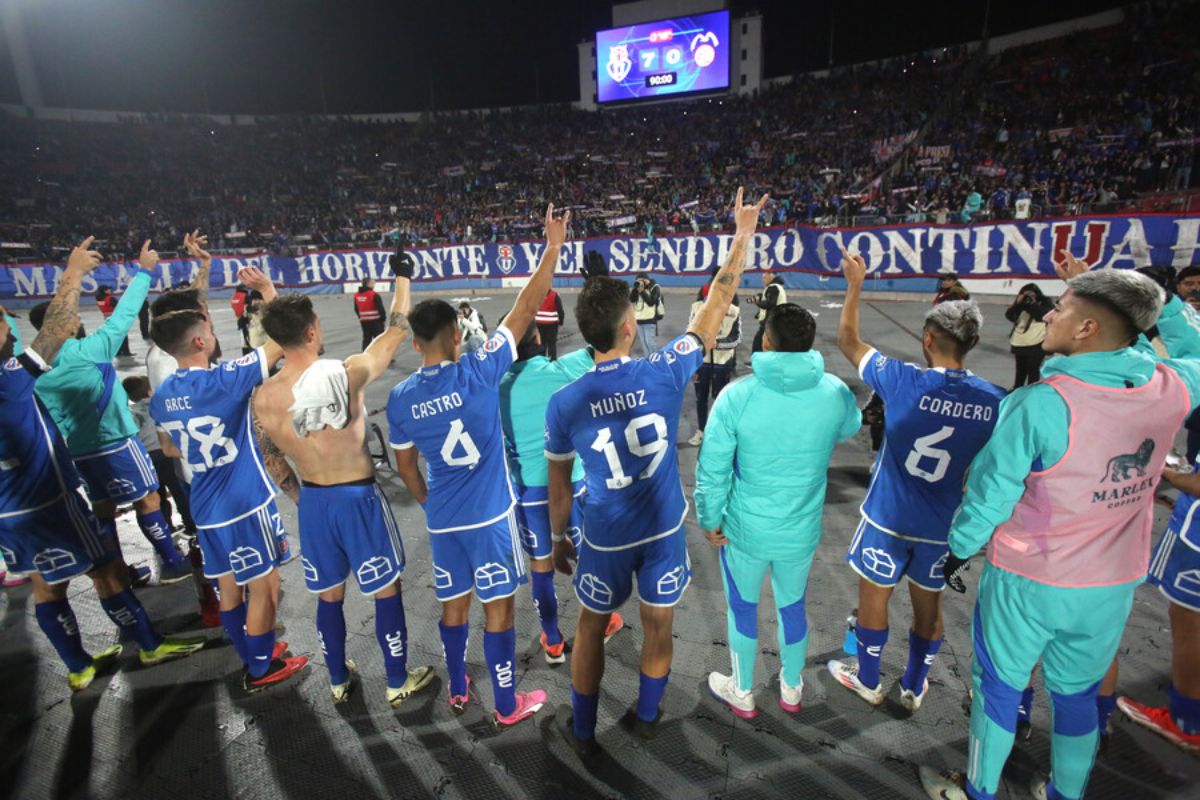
x=674 y=56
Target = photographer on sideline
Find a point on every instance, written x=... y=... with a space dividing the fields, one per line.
x=1028 y=332
x=648 y=309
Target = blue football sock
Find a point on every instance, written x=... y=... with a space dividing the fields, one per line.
x=331 y=630
x=127 y=612
x=392 y=633
x=1025 y=710
x=546 y=603
x=583 y=714
x=870 y=654
x=454 y=645
x=1185 y=711
x=260 y=647
x=1106 y=704
x=234 y=621
x=650 y=692
x=500 y=652
x=57 y=620
x=158 y=531
x=921 y=653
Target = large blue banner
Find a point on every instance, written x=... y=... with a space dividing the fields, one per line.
x=991 y=250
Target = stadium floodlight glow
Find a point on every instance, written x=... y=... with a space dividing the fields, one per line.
x=667 y=57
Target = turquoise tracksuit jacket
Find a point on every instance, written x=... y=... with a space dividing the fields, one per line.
x=82 y=391
x=761 y=474
x=524 y=394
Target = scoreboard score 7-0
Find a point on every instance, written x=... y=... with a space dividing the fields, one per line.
x=667 y=57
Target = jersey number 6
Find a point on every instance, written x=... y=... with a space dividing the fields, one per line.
x=923 y=448
x=656 y=447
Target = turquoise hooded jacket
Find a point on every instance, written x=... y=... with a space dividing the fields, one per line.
x=762 y=469
x=1031 y=432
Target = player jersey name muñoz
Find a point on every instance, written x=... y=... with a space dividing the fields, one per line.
x=206 y=412
x=621 y=420
x=937 y=421
x=451 y=413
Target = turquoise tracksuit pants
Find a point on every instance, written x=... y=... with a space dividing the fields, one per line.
x=1075 y=632
x=743 y=575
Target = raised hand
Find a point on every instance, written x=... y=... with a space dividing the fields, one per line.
x=254 y=278
x=854 y=268
x=1069 y=266
x=746 y=217
x=195 y=244
x=83 y=259
x=556 y=229
x=147 y=259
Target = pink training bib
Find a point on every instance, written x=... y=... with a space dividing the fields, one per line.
x=1086 y=521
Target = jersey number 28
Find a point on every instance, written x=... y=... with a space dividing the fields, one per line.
x=656 y=447
x=214 y=449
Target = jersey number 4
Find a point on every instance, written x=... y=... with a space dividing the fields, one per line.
x=923 y=448
x=211 y=445
x=656 y=447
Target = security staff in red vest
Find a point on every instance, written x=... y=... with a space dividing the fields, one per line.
x=549 y=316
x=106 y=301
x=369 y=308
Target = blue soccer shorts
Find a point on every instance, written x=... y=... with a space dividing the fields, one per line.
x=533 y=519
x=247 y=547
x=487 y=560
x=1175 y=566
x=60 y=540
x=883 y=558
x=604 y=578
x=348 y=530
x=120 y=473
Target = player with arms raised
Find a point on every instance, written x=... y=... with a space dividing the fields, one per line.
x=622 y=419
x=314 y=411
x=449 y=412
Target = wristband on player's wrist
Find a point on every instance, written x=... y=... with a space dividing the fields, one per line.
x=558 y=537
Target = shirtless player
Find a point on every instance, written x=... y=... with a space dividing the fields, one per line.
x=313 y=410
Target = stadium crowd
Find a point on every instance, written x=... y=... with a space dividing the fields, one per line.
x=1088 y=121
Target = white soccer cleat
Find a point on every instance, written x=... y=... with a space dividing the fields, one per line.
x=911 y=700
x=723 y=689
x=696 y=439
x=341 y=691
x=944 y=785
x=418 y=678
x=789 y=696
x=847 y=675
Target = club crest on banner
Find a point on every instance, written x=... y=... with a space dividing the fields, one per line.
x=505 y=260
x=619 y=62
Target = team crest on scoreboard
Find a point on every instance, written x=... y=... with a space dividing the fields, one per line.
x=619 y=62
x=505 y=261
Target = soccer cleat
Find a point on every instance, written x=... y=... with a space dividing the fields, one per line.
x=1159 y=720
x=10 y=579
x=615 y=623
x=78 y=681
x=528 y=704
x=458 y=702
x=280 y=670
x=911 y=700
x=564 y=723
x=639 y=727
x=696 y=439
x=341 y=691
x=140 y=576
x=847 y=675
x=168 y=574
x=279 y=649
x=789 y=696
x=169 y=650
x=417 y=679
x=944 y=785
x=555 y=653
x=740 y=703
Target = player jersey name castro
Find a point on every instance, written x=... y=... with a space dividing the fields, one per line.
x=958 y=410
x=437 y=405
x=617 y=403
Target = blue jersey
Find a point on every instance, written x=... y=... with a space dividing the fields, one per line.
x=35 y=465
x=936 y=421
x=206 y=412
x=621 y=420
x=451 y=413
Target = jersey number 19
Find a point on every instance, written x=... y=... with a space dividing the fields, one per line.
x=656 y=447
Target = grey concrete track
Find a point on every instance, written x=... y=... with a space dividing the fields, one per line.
x=185 y=730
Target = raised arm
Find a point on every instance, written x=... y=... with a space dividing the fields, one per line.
x=534 y=292
x=195 y=244
x=848 y=338
x=256 y=279
x=372 y=362
x=707 y=323
x=62 y=315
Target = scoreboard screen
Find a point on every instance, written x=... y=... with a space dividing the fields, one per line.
x=668 y=57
